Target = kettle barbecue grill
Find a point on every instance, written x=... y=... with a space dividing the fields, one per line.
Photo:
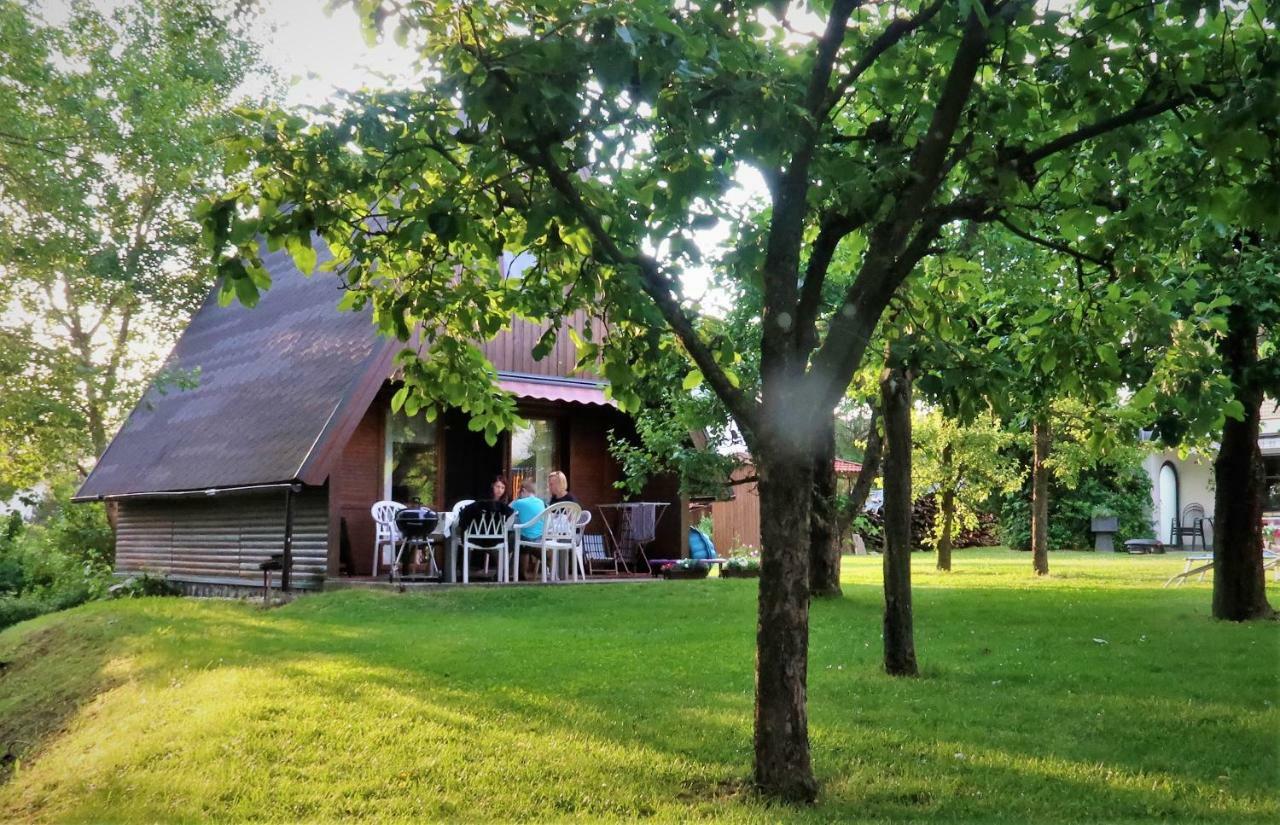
x=415 y=525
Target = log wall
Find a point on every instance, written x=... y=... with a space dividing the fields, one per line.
x=222 y=538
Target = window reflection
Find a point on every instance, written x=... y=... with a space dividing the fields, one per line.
x=533 y=456
x=412 y=454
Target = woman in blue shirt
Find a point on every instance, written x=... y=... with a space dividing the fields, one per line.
x=527 y=508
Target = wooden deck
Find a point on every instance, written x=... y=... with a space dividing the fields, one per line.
x=382 y=583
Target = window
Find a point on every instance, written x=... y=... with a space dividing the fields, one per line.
x=411 y=459
x=1271 y=503
x=533 y=454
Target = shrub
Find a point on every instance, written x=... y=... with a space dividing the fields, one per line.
x=1124 y=492
x=143 y=585
x=62 y=559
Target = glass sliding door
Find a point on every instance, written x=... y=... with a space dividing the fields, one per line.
x=533 y=454
x=411 y=460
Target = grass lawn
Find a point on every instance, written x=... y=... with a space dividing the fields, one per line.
x=1092 y=695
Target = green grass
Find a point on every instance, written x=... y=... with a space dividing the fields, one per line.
x=628 y=701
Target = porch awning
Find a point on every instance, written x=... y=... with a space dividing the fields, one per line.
x=546 y=388
x=844 y=467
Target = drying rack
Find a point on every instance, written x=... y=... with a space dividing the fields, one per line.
x=634 y=524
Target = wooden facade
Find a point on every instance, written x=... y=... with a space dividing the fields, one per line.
x=466 y=464
x=736 y=522
x=223 y=538
x=294 y=393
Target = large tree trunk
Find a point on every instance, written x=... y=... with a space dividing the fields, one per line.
x=948 y=514
x=1239 y=582
x=899 y=643
x=870 y=464
x=1040 y=497
x=782 y=767
x=824 y=551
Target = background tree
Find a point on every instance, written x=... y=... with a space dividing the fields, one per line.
x=107 y=141
x=603 y=137
x=966 y=465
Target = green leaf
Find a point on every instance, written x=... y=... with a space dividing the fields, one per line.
x=397 y=400
x=692 y=381
x=302 y=252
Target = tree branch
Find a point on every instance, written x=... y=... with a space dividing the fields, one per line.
x=1065 y=249
x=786 y=229
x=893 y=251
x=1027 y=159
x=893 y=33
x=833 y=230
x=657 y=286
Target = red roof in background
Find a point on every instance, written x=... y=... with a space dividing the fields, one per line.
x=846 y=468
x=573 y=391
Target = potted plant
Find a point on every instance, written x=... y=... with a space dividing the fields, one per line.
x=1105 y=524
x=744 y=566
x=1105 y=520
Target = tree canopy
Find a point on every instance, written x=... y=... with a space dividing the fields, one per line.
x=602 y=138
x=108 y=137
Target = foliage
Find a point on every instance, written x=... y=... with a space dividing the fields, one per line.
x=205 y=683
x=108 y=140
x=142 y=585
x=675 y=432
x=60 y=560
x=974 y=461
x=707 y=526
x=1122 y=490
x=743 y=563
x=602 y=138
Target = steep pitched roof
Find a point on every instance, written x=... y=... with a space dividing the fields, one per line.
x=278 y=385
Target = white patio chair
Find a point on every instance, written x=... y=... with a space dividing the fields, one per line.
x=559 y=533
x=488 y=527
x=385 y=533
x=579 y=565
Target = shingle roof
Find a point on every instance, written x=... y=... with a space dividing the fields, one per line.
x=275 y=383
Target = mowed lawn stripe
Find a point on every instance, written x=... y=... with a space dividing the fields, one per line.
x=1092 y=695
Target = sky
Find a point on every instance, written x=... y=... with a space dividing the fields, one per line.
x=320 y=52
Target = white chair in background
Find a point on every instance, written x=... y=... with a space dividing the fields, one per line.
x=578 y=565
x=559 y=534
x=385 y=534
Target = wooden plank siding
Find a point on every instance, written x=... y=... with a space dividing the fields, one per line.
x=736 y=523
x=512 y=350
x=222 y=538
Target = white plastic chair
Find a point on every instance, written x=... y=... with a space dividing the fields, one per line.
x=385 y=533
x=488 y=527
x=579 y=565
x=559 y=533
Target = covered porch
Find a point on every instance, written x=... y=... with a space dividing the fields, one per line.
x=443 y=464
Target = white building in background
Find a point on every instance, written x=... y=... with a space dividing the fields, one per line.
x=1178 y=484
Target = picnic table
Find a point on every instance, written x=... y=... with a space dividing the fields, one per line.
x=1204 y=563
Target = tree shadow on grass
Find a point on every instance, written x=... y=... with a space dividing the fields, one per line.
x=535 y=703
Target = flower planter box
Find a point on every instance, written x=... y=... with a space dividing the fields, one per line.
x=1106 y=524
x=739 y=573
x=673 y=572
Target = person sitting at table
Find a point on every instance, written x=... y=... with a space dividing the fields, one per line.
x=558 y=484
x=484 y=506
x=528 y=506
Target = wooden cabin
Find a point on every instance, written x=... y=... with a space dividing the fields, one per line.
x=289 y=419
